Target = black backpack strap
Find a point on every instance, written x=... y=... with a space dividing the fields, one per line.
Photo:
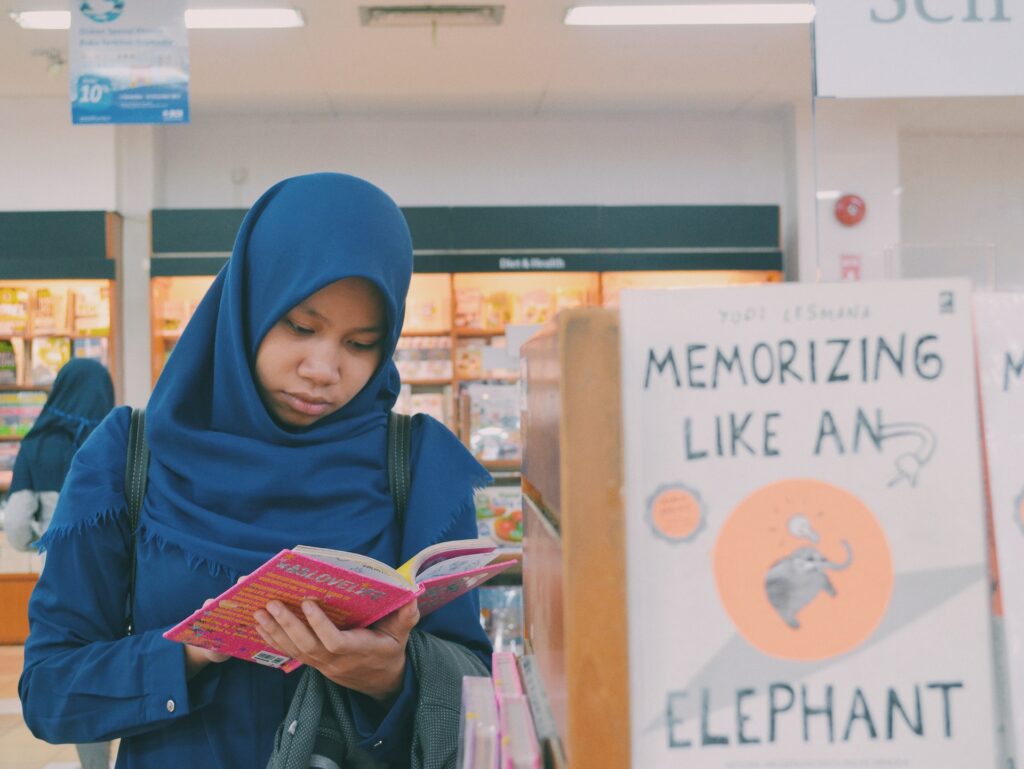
x=399 y=451
x=134 y=490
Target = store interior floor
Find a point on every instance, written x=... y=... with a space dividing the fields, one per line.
x=18 y=748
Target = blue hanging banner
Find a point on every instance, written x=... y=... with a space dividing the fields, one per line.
x=129 y=61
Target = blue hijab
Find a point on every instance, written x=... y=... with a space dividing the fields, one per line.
x=229 y=484
x=82 y=394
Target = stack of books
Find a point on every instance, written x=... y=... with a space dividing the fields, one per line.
x=506 y=723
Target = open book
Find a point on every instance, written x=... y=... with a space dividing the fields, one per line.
x=353 y=590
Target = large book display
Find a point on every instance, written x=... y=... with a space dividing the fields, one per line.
x=792 y=499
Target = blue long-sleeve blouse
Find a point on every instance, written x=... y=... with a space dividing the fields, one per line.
x=84 y=680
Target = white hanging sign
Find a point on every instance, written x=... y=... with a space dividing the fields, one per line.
x=129 y=62
x=928 y=48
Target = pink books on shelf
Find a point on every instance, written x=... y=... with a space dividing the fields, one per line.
x=353 y=590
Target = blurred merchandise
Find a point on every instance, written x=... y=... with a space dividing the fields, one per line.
x=492 y=421
x=501 y=614
x=424 y=357
x=499 y=514
x=47 y=356
x=8 y=363
x=51 y=311
x=19 y=410
x=92 y=310
x=13 y=311
x=469 y=310
x=8 y=453
x=95 y=347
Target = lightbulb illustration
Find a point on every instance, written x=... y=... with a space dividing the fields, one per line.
x=800 y=527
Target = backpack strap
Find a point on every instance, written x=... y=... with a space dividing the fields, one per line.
x=399 y=472
x=135 y=474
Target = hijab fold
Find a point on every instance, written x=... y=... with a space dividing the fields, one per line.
x=230 y=485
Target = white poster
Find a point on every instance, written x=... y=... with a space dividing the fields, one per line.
x=905 y=48
x=129 y=61
x=999 y=320
x=806 y=550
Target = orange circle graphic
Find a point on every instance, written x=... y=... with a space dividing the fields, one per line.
x=803 y=570
x=676 y=513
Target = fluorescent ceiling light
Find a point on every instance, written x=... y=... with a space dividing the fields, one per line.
x=828 y=194
x=42 y=19
x=243 y=18
x=431 y=15
x=646 y=15
x=205 y=18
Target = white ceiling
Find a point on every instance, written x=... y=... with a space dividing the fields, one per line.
x=530 y=65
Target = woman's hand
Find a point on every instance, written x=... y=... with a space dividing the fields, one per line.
x=367 y=660
x=197 y=658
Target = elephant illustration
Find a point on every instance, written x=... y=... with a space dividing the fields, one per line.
x=796 y=580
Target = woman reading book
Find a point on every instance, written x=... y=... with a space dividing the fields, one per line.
x=267 y=429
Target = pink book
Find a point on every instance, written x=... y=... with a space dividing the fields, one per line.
x=505 y=673
x=519 y=746
x=353 y=590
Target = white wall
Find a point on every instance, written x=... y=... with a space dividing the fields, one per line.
x=965 y=193
x=477 y=161
x=46 y=164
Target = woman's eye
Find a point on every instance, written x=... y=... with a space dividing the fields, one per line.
x=364 y=346
x=300 y=330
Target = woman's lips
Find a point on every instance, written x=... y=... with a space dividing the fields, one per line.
x=313 y=408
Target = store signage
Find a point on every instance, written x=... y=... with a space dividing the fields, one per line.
x=907 y=48
x=129 y=62
x=804 y=521
x=753 y=259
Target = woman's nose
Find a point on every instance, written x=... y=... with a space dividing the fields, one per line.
x=321 y=367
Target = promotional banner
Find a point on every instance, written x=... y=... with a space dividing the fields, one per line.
x=806 y=549
x=999 y=320
x=128 y=62
x=905 y=48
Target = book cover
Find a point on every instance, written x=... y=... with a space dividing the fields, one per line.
x=95 y=347
x=354 y=591
x=50 y=315
x=999 y=325
x=8 y=362
x=47 y=355
x=13 y=311
x=92 y=310
x=805 y=526
x=479 y=728
x=519 y=746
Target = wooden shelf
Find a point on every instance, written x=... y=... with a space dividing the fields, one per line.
x=501 y=465
x=503 y=378
x=10 y=438
x=478 y=333
x=16 y=387
x=427 y=382
x=441 y=332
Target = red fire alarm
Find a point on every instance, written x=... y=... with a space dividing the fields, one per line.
x=850 y=210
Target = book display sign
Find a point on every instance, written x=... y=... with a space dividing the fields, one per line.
x=129 y=62
x=999 y=321
x=806 y=554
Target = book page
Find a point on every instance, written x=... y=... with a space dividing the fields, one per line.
x=362 y=565
x=413 y=568
x=455 y=565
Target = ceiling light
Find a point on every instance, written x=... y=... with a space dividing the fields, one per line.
x=42 y=19
x=644 y=15
x=243 y=18
x=431 y=15
x=205 y=18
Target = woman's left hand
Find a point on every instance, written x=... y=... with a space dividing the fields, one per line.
x=368 y=660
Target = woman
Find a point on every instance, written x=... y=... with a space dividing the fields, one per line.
x=267 y=429
x=81 y=396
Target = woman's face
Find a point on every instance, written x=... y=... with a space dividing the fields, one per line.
x=323 y=351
